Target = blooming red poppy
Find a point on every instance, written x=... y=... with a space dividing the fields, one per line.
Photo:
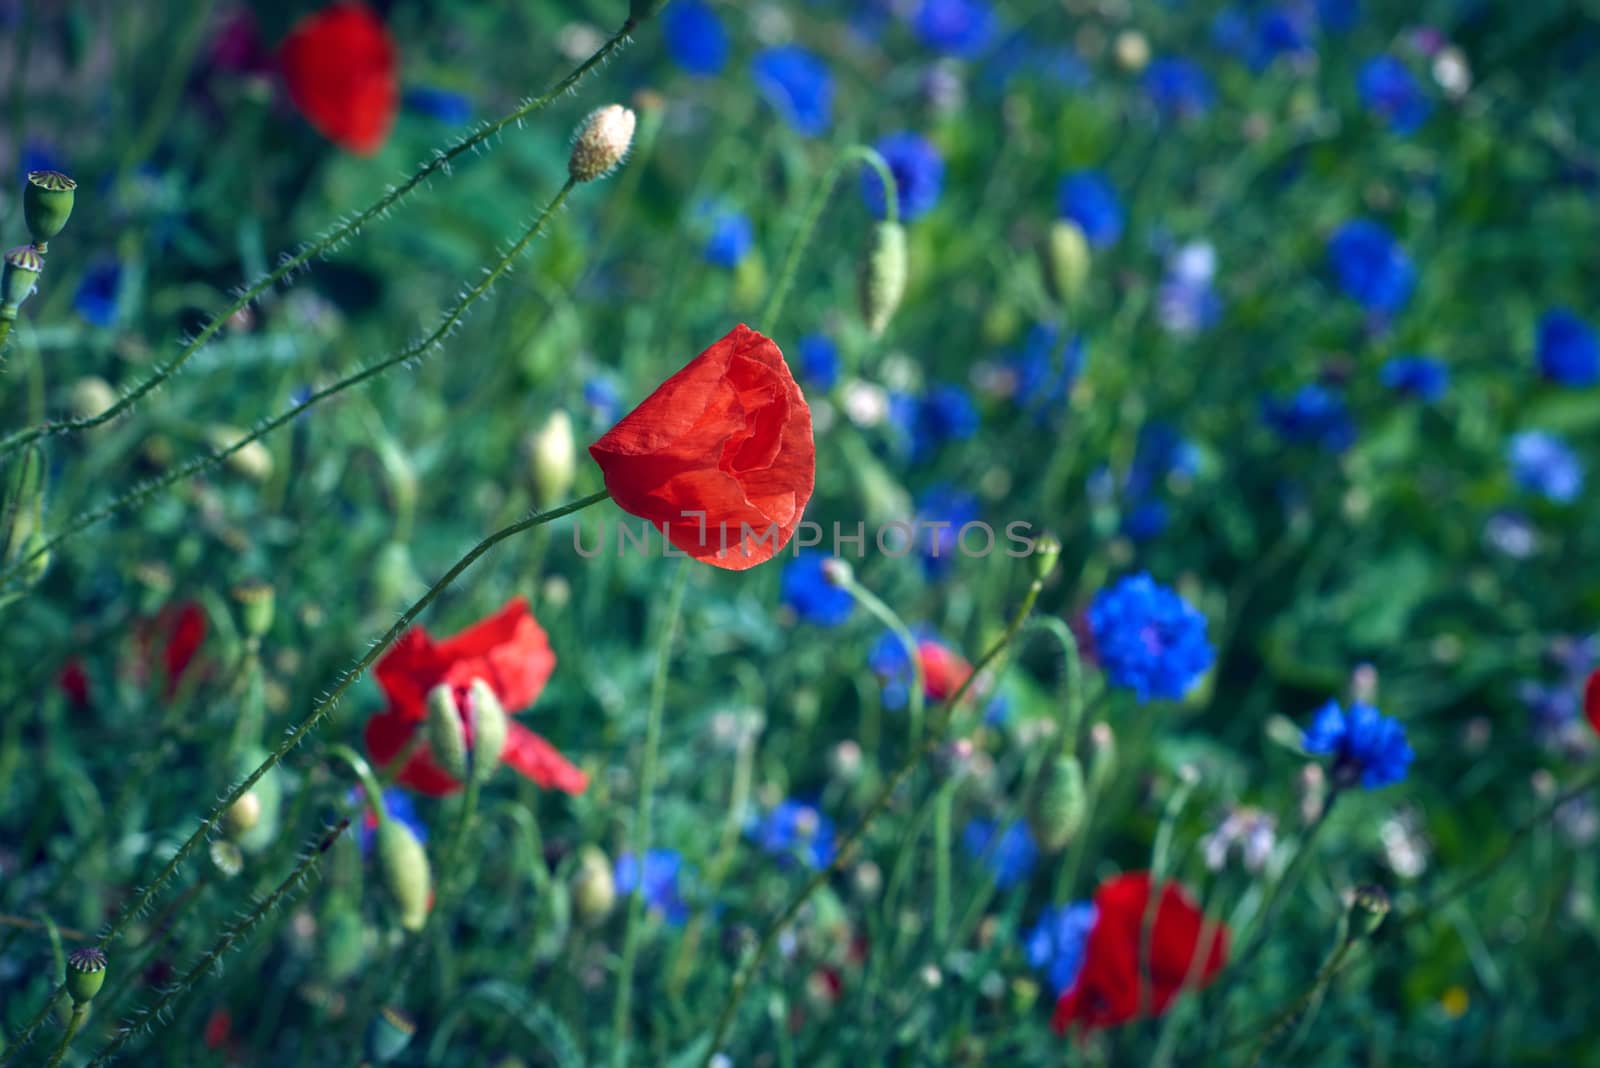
x=720 y=457
x=944 y=671
x=1107 y=990
x=510 y=652
x=1591 y=700
x=340 y=65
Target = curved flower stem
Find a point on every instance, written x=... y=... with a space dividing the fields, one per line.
x=363 y=771
x=808 y=223
x=916 y=696
x=440 y=162
x=641 y=829
x=80 y=1012
x=943 y=812
x=298 y=732
x=1072 y=710
x=846 y=845
x=198 y=464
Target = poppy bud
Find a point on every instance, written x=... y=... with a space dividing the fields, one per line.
x=86 y=974
x=1369 y=904
x=389 y=1034
x=1067 y=258
x=1057 y=815
x=594 y=887
x=1103 y=768
x=1132 y=50
x=47 y=204
x=883 y=279
x=22 y=268
x=837 y=572
x=446 y=736
x=602 y=141
x=255 y=600
x=227 y=858
x=253 y=461
x=90 y=396
x=242 y=816
x=268 y=792
x=342 y=942
x=489 y=729
x=406 y=874
x=552 y=460
x=1046 y=553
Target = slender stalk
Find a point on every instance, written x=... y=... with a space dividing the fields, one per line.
x=1275 y=896
x=363 y=771
x=641 y=829
x=846 y=846
x=25 y=924
x=440 y=162
x=887 y=616
x=943 y=812
x=80 y=1012
x=144 y=492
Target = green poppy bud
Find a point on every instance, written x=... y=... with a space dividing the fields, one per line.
x=388 y=1034
x=489 y=729
x=1067 y=258
x=268 y=792
x=406 y=874
x=86 y=974
x=342 y=942
x=447 y=738
x=883 y=277
x=594 y=888
x=22 y=268
x=1369 y=904
x=1046 y=553
x=47 y=204
x=256 y=602
x=1058 y=813
x=24 y=499
x=227 y=858
x=552 y=460
x=242 y=816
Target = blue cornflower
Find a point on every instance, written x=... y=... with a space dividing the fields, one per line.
x=1280 y=32
x=1187 y=301
x=96 y=297
x=1230 y=32
x=1370 y=266
x=695 y=36
x=819 y=361
x=887 y=659
x=1568 y=352
x=1148 y=638
x=1423 y=377
x=1161 y=451
x=1338 y=16
x=952 y=508
x=399 y=804
x=39 y=155
x=1008 y=852
x=1021 y=56
x=1390 y=91
x=918 y=172
x=660 y=885
x=731 y=239
x=945 y=414
x=1178 y=87
x=1042 y=378
x=1543 y=463
x=955 y=27
x=1088 y=200
x=603 y=398
x=1057 y=942
x=798 y=86
x=1146 y=520
x=794 y=828
x=446 y=105
x=1312 y=415
x=1366 y=745
x=807 y=591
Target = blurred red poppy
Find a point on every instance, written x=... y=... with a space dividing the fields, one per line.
x=73 y=679
x=186 y=634
x=720 y=457
x=510 y=652
x=341 y=67
x=1591 y=700
x=944 y=671
x=1107 y=990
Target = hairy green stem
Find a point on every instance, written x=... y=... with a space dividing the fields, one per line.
x=916 y=697
x=80 y=1012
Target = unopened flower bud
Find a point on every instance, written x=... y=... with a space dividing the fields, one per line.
x=1068 y=259
x=883 y=276
x=1057 y=815
x=1103 y=764
x=388 y=1034
x=844 y=761
x=1369 y=904
x=406 y=874
x=447 y=738
x=1046 y=554
x=253 y=461
x=552 y=460
x=47 y=204
x=242 y=816
x=22 y=268
x=256 y=603
x=1132 y=50
x=837 y=572
x=602 y=141
x=86 y=974
x=89 y=396
x=594 y=887
x=489 y=729
x=867 y=880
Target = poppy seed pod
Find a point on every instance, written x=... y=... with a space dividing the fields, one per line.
x=1067 y=257
x=447 y=738
x=388 y=1034
x=22 y=268
x=489 y=730
x=602 y=141
x=1058 y=813
x=594 y=887
x=86 y=974
x=883 y=276
x=47 y=204
x=406 y=874
x=242 y=816
x=552 y=460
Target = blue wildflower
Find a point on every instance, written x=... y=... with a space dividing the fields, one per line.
x=1187 y=301
x=1370 y=266
x=400 y=805
x=807 y=591
x=1366 y=745
x=1568 y=352
x=1422 y=377
x=97 y=296
x=660 y=882
x=1389 y=90
x=731 y=239
x=794 y=828
x=955 y=27
x=603 y=398
x=1543 y=463
x=798 y=86
x=1008 y=852
x=1280 y=32
x=1056 y=944
x=951 y=508
x=1178 y=87
x=445 y=105
x=918 y=172
x=1040 y=380
x=1161 y=451
x=819 y=361
x=695 y=36
x=1146 y=520
x=926 y=424
x=1230 y=32
x=1088 y=200
x=39 y=155
x=1020 y=56
x=1338 y=16
x=1148 y=639
x=1312 y=415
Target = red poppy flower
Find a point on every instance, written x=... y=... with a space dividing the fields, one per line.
x=73 y=680
x=1591 y=700
x=944 y=671
x=510 y=652
x=187 y=633
x=1107 y=990
x=341 y=68
x=219 y=1027
x=720 y=456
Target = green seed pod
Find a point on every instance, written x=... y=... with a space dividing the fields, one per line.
x=1067 y=259
x=86 y=974
x=253 y=461
x=406 y=874
x=269 y=793
x=447 y=738
x=883 y=277
x=242 y=816
x=256 y=603
x=47 y=204
x=489 y=729
x=1058 y=813
x=388 y=1034
x=1369 y=904
x=343 y=942
x=1046 y=553
x=22 y=268
x=594 y=888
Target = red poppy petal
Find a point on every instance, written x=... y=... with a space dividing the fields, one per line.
x=1591 y=700
x=186 y=636
x=508 y=650
x=340 y=67
x=540 y=761
x=410 y=668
